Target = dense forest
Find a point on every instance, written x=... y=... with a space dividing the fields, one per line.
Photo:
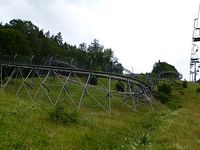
x=23 y=38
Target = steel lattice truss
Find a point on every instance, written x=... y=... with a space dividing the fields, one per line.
x=73 y=86
x=194 y=59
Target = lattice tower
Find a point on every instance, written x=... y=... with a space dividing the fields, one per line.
x=195 y=59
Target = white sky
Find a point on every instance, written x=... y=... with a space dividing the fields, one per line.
x=140 y=32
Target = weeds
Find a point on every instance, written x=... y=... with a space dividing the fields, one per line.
x=27 y=126
x=59 y=115
x=175 y=104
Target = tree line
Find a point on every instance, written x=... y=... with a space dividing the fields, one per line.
x=23 y=38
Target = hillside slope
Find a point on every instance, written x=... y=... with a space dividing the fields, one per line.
x=27 y=125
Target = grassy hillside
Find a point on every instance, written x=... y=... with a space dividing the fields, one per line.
x=27 y=125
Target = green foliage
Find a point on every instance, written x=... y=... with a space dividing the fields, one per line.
x=162 y=97
x=160 y=67
x=93 y=80
x=145 y=77
x=13 y=42
x=116 y=67
x=95 y=52
x=60 y=115
x=184 y=84
x=175 y=104
x=24 y=38
x=164 y=94
x=26 y=125
x=198 y=90
x=165 y=89
x=120 y=86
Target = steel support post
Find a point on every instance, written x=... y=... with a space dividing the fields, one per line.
x=108 y=101
x=66 y=84
x=63 y=87
x=42 y=85
x=148 y=99
x=9 y=78
x=131 y=94
x=66 y=76
x=24 y=83
x=84 y=93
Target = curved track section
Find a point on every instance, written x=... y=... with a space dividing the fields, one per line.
x=77 y=87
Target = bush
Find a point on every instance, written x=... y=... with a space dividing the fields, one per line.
x=165 y=88
x=163 y=93
x=120 y=86
x=184 y=84
x=162 y=97
x=60 y=115
x=93 y=80
x=198 y=90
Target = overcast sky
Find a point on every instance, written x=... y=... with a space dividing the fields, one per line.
x=140 y=32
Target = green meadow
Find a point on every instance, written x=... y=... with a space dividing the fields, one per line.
x=26 y=124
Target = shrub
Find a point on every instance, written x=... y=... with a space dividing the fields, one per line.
x=163 y=93
x=60 y=115
x=120 y=86
x=93 y=80
x=198 y=90
x=184 y=84
x=162 y=97
x=165 y=88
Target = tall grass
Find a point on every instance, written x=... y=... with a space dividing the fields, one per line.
x=27 y=125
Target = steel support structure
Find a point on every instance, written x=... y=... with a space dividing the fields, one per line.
x=59 y=84
x=195 y=58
